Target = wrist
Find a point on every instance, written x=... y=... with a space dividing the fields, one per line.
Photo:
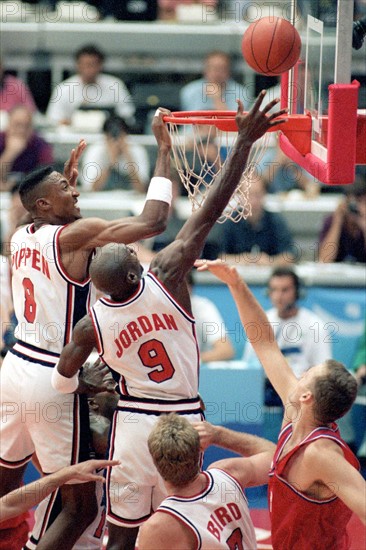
x=160 y=189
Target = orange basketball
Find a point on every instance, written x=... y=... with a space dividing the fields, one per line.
x=271 y=45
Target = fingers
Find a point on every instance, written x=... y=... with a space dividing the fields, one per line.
x=258 y=102
x=240 y=106
x=270 y=105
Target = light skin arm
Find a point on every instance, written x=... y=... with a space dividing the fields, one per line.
x=252 y=315
x=24 y=498
x=165 y=532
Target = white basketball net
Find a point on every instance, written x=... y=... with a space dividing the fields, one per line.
x=200 y=152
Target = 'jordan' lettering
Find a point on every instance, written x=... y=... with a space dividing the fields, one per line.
x=144 y=324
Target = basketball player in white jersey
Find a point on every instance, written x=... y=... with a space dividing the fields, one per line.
x=145 y=333
x=51 y=288
x=204 y=509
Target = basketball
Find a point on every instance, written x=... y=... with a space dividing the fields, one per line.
x=271 y=46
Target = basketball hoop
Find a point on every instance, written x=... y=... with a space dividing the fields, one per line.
x=202 y=142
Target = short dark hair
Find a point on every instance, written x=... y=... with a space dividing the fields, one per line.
x=28 y=187
x=114 y=126
x=334 y=392
x=288 y=272
x=89 y=49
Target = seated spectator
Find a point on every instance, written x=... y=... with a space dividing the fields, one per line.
x=216 y=90
x=21 y=148
x=115 y=163
x=343 y=235
x=262 y=239
x=13 y=92
x=212 y=337
x=89 y=88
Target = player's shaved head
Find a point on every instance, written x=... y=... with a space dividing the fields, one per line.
x=115 y=270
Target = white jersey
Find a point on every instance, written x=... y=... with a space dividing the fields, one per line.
x=47 y=302
x=150 y=341
x=303 y=340
x=218 y=516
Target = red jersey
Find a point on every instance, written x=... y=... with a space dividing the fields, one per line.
x=298 y=521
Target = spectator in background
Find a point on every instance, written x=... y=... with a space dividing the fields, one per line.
x=343 y=235
x=212 y=337
x=300 y=335
x=262 y=239
x=283 y=175
x=89 y=88
x=14 y=92
x=216 y=90
x=115 y=163
x=22 y=150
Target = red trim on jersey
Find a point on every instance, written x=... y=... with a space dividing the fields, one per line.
x=230 y=476
x=123 y=385
x=59 y=264
x=208 y=486
x=46 y=517
x=184 y=522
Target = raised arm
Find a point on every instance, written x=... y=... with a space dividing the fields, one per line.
x=86 y=234
x=65 y=375
x=191 y=238
x=257 y=327
x=250 y=471
x=26 y=497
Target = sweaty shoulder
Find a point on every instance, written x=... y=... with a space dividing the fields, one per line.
x=165 y=532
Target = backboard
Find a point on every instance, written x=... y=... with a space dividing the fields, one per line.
x=320 y=87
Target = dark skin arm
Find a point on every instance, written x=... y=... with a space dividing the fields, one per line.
x=78 y=239
x=172 y=264
x=76 y=352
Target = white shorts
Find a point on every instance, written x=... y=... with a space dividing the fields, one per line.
x=36 y=418
x=134 y=488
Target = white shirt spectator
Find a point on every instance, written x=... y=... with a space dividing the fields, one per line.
x=303 y=339
x=108 y=91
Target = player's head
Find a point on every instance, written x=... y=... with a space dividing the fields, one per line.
x=174 y=445
x=332 y=389
x=89 y=63
x=116 y=270
x=284 y=289
x=47 y=194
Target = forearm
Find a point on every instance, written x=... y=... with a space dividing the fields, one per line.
x=162 y=165
x=241 y=443
x=22 y=499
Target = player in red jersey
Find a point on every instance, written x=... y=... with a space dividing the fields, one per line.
x=314 y=483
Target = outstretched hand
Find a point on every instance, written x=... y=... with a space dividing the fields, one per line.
x=160 y=129
x=71 y=165
x=256 y=123
x=95 y=378
x=85 y=471
x=226 y=273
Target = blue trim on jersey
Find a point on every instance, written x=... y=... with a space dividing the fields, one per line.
x=157 y=413
x=35 y=348
x=289 y=350
x=31 y=359
x=152 y=401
